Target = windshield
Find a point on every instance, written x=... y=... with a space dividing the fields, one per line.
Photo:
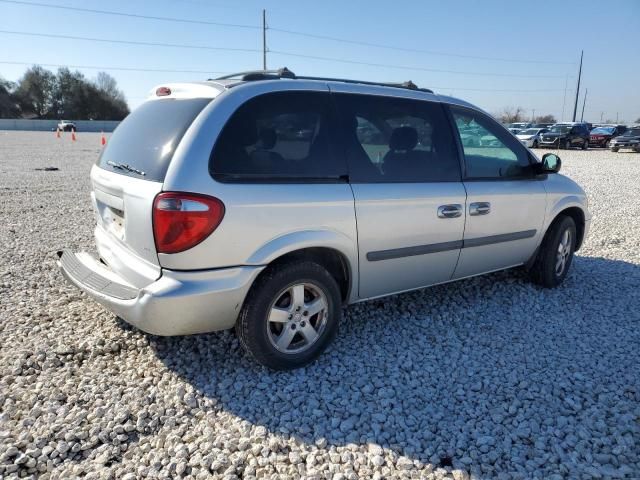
x=144 y=142
x=560 y=128
x=634 y=132
x=605 y=130
x=529 y=131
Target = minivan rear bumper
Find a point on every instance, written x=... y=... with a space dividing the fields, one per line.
x=178 y=303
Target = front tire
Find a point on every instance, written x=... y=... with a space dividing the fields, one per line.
x=290 y=316
x=535 y=144
x=614 y=149
x=567 y=144
x=555 y=254
x=585 y=145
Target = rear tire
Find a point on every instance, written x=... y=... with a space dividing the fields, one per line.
x=614 y=149
x=535 y=144
x=290 y=316
x=556 y=253
x=585 y=145
x=567 y=144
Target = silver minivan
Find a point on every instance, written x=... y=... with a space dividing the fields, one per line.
x=266 y=201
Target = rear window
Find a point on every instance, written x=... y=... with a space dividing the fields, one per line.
x=143 y=144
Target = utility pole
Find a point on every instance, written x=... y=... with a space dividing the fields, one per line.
x=564 y=99
x=264 y=39
x=583 y=104
x=601 y=116
x=575 y=105
x=533 y=115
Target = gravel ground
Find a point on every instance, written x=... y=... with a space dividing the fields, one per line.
x=485 y=378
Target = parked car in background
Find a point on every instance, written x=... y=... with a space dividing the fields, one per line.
x=601 y=136
x=628 y=140
x=542 y=125
x=210 y=214
x=514 y=130
x=566 y=135
x=519 y=125
x=530 y=137
x=66 y=126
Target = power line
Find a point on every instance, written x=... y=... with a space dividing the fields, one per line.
x=129 y=42
x=404 y=67
x=498 y=90
x=132 y=15
x=126 y=69
x=281 y=30
x=290 y=54
x=161 y=70
x=414 y=50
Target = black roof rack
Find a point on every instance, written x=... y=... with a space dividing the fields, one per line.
x=259 y=75
x=286 y=73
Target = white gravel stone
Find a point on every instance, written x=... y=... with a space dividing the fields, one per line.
x=490 y=377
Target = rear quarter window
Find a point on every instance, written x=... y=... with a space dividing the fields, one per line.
x=278 y=137
x=147 y=138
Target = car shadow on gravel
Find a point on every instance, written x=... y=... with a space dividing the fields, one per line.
x=488 y=372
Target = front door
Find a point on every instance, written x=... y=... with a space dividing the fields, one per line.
x=409 y=198
x=505 y=203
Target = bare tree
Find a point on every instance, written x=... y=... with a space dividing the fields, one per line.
x=545 y=119
x=511 y=114
x=108 y=85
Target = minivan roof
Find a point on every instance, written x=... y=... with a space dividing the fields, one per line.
x=214 y=86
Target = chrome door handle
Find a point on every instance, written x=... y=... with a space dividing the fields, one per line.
x=479 y=208
x=450 y=211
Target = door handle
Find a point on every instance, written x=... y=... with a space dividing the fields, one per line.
x=450 y=211
x=479 y=208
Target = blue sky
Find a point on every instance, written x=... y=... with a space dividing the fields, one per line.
x=443 y=33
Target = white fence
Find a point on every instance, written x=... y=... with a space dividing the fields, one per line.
x=50 y=125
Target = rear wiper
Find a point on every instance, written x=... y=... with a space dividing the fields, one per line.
x=124 y=166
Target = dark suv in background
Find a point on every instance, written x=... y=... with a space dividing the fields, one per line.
x=628 y=140
x=566 y=135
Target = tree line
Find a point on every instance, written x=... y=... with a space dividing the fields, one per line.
x=518 y=114
x=43 y=94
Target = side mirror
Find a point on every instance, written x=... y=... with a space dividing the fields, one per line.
x=550 y=164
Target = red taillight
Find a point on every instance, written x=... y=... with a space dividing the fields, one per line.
x=183 y=220
x=163 y=91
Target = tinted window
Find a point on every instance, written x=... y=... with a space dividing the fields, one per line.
x=282 y=135
x=489 y=151
x=396 y=140
x=146 y=139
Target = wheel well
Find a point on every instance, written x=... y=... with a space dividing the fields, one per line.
x=578 y=217
x=331 y=259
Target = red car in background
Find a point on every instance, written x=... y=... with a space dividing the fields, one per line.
x=601 y=136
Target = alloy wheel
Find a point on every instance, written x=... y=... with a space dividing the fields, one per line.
x=297 y=318
x=564 y=252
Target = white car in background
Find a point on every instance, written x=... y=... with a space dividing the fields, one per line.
x=66 y=126
x=530 y=137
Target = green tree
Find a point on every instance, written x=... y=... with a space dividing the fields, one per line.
x=34 y=92
x=75 y=97
x=9 y=107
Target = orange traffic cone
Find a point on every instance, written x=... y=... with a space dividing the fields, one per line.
x=103 y=141
x=73 y=135
x=57 y=133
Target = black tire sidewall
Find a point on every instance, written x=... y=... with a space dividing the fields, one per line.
x=547 y=276
x=251 y=325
